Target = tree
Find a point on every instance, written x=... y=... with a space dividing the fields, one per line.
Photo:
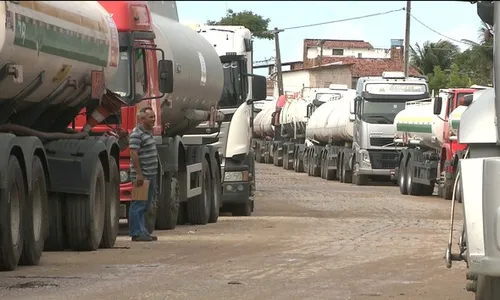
x=424 y=58
x=257 y=24
x=457 y=80
x=477 y=61
x=437 y=79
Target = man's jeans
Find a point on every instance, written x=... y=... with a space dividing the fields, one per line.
x=138 y=210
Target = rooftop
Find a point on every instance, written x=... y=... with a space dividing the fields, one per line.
x=341 y=44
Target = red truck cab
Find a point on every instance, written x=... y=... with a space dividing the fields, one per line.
x=451 y=146
x=136 y=80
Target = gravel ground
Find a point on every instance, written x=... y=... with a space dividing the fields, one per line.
x=307 y=239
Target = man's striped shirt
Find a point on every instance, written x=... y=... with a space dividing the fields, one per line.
x=142 y=140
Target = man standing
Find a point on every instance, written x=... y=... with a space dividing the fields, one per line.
x=143 y=166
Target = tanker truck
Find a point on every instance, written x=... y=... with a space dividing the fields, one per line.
x=190 y=163
x=234 y=46
x=263 y=129
x=431 y=151
x=290 y=118
x=55 y=183
x=368 y=151
x=477 y=180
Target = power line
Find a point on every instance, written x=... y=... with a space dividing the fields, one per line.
x=437 y=32
x=343 y=20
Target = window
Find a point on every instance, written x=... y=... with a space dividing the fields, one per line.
x=338 y=52
x=235 y=87
x=121 y=82
x=140 y=72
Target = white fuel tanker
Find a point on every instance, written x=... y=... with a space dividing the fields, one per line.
x=330 y=122
x=333 y=150
x=432 y=152
x=57 y=58
x=263 y=128
x=290 y=131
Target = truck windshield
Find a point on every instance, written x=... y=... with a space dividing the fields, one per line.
x=232 y=93
x=120 y=84
x=381 y=112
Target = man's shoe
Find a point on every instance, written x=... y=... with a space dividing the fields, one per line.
x=153 y=237
x=142 y=238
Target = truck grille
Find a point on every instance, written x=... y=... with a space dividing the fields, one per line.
x=383 y=159
x=378 y=142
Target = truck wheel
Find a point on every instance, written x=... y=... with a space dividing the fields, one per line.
x=12 y=200
x=402 y=177
x=84 y=215
x=413 y=188
x=346 y=174
x=448 y=187
x=111 y=215
x=199 y=206
x=330 y=174
x=56 y=240
x=279 y=157
x=323 y=168
x=168 y=202
x=285 y=157
x=152 y=210
x=35 y=216
x=356 y=178
x=216 y=197
x=258 y=154
x=488 y=288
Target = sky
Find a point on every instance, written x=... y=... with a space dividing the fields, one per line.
x=455 y=19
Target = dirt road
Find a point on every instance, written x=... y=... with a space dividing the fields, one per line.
x=308 y=239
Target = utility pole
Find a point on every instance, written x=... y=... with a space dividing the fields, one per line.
x=407 y=37
x=279 y=74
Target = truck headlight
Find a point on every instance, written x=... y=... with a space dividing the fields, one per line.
x=236 y=176
x=124 y=176
x=365 y=157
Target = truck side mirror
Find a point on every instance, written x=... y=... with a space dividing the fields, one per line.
x=259 y=88
x=166 y=75
x=438 y=104
x=466 y=100
x=352 y=106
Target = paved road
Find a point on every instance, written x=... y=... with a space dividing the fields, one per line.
x=308 y=239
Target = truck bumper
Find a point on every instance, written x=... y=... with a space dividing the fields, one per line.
x=482 y=213
x=378 y=172
x=236 y=192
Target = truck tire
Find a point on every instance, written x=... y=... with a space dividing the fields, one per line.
x=111 y=214
x=216 y=197
x=402 y=177
x=330 y=174
x=152 y=210
x=346 y=174
x=56 y=240
x=168 y=200
x=84 y=217
x=258 y=154
x=35 y=216
x=323 y=168
x=358 y=179
x=488 y=288
x=414 y=189
x=12 y=201
x=199 y=206
x=448 y=187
